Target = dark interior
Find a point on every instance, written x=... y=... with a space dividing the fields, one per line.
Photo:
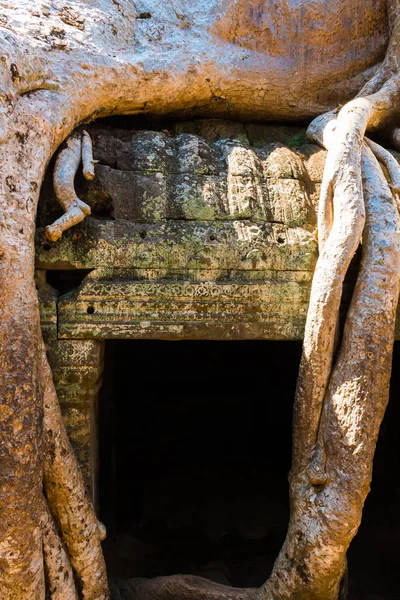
x=195 y=448
x=374 y=559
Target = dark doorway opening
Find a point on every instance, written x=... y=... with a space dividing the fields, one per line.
x=195 y=449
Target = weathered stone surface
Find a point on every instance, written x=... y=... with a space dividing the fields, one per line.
x=211 y=239
x=149 y=176
x=108 y=143
x=131 y=195
x=122 y=308
x=195 y=155
x=241 y=245
x=187 y=304
x=148 y=151
x=314 y=161
x=48 y=311
x=196 y=197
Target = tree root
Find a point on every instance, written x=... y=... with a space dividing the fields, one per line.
x=340 y=224
x=177 y=587
x=59 y=575
x=391 y=165
x=87 y=157
x=79 y=147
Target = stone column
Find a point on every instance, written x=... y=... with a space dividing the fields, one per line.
x=77 y=367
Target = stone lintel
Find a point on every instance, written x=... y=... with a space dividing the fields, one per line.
x=273 y=308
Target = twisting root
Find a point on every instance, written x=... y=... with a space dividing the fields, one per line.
x=324 y=521
x=343 y=139
x=87 y=157
x=392 y=167
x=68 y=500
x=343 y=186
x=65 y=169
x=60 y=578
x=341 y=219
x=322 y=131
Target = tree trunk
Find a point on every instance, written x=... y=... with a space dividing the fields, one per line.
x=22 y=411
x=61 y=66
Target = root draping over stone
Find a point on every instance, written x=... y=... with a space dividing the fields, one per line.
x=78 y=149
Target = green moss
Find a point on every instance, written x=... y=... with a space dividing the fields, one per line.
x=195 y=209
x=241 y=137
x=298 y=139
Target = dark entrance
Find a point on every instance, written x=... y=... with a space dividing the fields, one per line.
x=195 y=477
x=195 y=452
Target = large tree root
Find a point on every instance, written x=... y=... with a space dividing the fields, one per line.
x=59 y=574
x=56 y=535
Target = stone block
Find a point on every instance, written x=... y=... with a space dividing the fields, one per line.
x=195 y=156
x=131 y=195
x=196 y=197
x=242 y=245
x=147 y=151
x=275 y=308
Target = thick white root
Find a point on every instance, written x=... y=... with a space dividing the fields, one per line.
x=79 y=147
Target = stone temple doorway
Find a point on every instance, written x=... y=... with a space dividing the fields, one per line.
x=195 y=448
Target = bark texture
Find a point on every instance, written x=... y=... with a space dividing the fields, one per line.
x=63 y=65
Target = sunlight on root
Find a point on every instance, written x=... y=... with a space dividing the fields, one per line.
x=79 y=147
